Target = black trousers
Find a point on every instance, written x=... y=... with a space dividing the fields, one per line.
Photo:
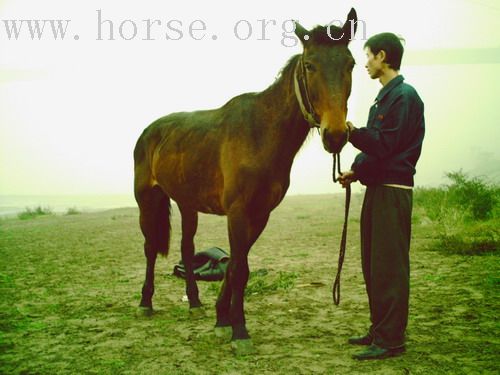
x=385 y=245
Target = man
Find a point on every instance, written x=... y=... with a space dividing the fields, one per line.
x=390 y=147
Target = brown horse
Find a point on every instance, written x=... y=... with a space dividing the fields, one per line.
x=236 y=161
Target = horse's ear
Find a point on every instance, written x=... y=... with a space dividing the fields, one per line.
x=301 y=32
x=350 y=26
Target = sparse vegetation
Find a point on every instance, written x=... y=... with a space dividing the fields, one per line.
x=73 y=211
x=474 y=195
x=31 y=213
x=466 y=213
x=263 y=282
x=70 y=287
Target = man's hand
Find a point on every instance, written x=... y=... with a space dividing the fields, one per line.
x=346 y=178
x=350 y=126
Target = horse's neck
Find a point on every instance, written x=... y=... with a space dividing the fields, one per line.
x=284 y=125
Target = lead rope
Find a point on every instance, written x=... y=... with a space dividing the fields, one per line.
x=343 y=241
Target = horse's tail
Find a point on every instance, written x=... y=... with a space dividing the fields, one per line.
x=154 y=204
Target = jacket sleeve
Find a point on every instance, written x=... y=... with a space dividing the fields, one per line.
x=367 y=169
x=381 y=139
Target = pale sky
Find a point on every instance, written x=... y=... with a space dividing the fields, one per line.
x=71 y=110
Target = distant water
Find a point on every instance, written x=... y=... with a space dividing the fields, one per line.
x=11 y=205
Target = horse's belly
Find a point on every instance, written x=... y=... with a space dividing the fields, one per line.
x=191 y=185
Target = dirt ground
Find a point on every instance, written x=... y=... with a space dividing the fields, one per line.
x=70 y=287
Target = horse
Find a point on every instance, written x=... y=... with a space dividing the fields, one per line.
x=236 y=161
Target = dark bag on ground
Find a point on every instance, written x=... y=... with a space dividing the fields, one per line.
x=208 y=265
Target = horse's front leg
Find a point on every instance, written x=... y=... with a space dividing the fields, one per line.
x=243 y=232
x=223 y=328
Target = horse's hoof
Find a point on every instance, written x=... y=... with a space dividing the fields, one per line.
x=242 y=347
x=223 y=334
x=144 y=311
x=197 y=312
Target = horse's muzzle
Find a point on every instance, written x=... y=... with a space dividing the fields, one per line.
x=334 y=142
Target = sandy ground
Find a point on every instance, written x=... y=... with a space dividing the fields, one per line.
x=70 y=286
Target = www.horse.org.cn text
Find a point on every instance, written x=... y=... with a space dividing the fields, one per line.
x=109 y=29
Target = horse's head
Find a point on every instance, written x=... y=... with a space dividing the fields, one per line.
x=325 y=71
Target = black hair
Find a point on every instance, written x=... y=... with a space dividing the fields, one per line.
x=392 y=46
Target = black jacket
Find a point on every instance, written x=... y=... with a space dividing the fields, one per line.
x=391 y=142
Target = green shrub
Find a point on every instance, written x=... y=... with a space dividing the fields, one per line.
x=465 y=214
x=466 y=198
x=473 y=194
x=31 y=213
x=432 y=200
x=73 y=211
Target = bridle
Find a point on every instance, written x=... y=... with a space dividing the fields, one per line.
x=302 y=94
x=312 y=118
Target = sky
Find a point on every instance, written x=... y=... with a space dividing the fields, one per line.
x=71 y=110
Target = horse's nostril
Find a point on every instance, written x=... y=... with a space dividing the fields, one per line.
x=334 y=142
x=344 y=138
x=329 y=141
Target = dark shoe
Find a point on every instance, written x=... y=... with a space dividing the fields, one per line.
x=360 y=340
x=376 y=352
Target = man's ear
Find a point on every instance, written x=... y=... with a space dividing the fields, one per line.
x=381 y=55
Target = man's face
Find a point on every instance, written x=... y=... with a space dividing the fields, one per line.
x=373 y=63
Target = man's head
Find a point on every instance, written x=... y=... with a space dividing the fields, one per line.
x=383 y=51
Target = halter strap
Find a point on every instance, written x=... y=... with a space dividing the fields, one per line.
x=302 y=95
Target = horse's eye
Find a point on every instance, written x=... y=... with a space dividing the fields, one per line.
x=310 y=67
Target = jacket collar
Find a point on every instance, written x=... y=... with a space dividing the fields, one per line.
x=387 y=88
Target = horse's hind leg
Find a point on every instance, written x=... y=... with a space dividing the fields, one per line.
x=154 y=207
x=189 y=227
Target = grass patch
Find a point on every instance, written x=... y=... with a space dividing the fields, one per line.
x=472 y=239
x=466 y=214
x=264 y=283
x=73 y=211
x=31 y=213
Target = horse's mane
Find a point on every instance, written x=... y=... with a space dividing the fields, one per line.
x=286 y=73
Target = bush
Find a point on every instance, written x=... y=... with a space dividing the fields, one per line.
x=432 y=200
x=73 y=211
x=466 y=198
x=31 y=213
x=465 y=213
x=473 y=194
